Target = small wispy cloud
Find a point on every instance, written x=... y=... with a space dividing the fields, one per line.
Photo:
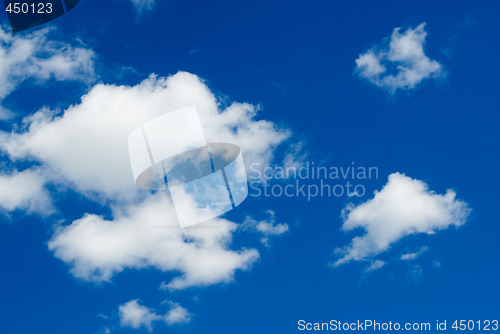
x=375 y=265
x=436 y=264
x=414 y=255
x=39 y=57
x=267 y=227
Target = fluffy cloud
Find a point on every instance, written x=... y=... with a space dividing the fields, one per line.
x=87 y=145
x=134 y=315
x=86 y=149
x=146 y=236
x=177 y=315
x=404 y=206
x=24 y=191
x=35 y=56
x=402 y=64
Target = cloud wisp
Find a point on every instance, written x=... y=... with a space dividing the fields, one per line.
x=375 y=265
x=414 y=255
x=267 y=227
x=38 y=57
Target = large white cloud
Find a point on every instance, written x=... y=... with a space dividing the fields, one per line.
x=87 y=145
x=402 y=64
x=146 y=236
x=36 y=56
x=403 y=207
x=86 y=149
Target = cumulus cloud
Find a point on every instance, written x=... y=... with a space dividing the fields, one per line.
x=36 y=56
x=85 y=149
x=87 y=145
x=145 y=236
x=134 y=315
x=399 y=63
x=405 y=206
x=24 y=191
x=177 y=315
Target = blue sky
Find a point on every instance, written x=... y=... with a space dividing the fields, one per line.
x=294 y=63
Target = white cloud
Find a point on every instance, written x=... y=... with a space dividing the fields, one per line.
x=413 y=256
x=267 y=227
x=403 y=207
x=375 y=265
x=35 y=56
x=134 y=315
x=87 y=146
x=270 y=228
x=402 y=64
x=86 y=149
x=144 y=236
x=177 y=315
x=24 y=191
